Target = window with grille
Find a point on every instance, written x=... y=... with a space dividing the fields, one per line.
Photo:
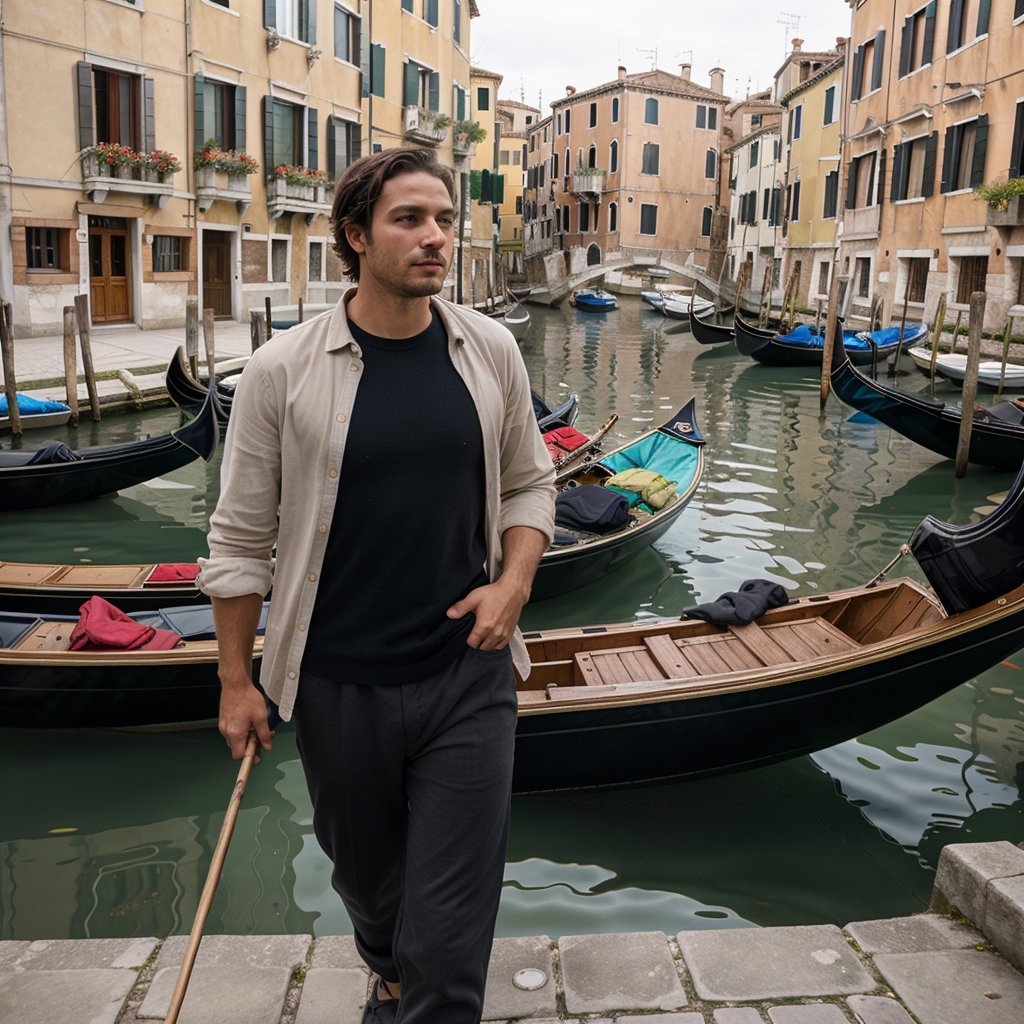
x=648 y=219
x=169 y=253
x=47 y=248
x=917 y=278
x=972 y=277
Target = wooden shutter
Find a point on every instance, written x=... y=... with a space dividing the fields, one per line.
x=411 y=84
x=881 y=176
x=434 y=91
x=86 y=125
x=906 y=42
x=430 y=14
x=984 y=9
x=148 y=115
x=948 y=159
x=199 y=112
x=310 y=37
x=954 y=33
x=270 y=13
x=980 y=149
x=929 y=34
x=378 y=66
x=851 y=186
x=879 y=60
x=858 y=73
x=312 y=139
x=1016 y=154
x=899 y=154
x=268 y=136
x=240 y=133
x=931 y=151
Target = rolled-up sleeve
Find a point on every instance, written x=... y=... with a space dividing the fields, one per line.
x=243 y=527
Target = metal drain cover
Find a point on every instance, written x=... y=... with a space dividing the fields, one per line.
x=529 y=979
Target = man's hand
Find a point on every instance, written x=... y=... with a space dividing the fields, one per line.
x=243 y=711
x=496 y=607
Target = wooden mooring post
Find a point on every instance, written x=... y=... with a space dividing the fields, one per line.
x=270 y=320
x=71 y=361
x=837 y=291
x=7 y=355
x=192 y=334
x=85 y=344
x=257 y=329
x=208 y=341
x=977 y=320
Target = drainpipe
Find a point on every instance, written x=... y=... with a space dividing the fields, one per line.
x=6 y=262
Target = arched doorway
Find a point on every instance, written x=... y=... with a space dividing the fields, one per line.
x=593 y=254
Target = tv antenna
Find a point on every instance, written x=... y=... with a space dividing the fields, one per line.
x=791 y=23
x=652 y=55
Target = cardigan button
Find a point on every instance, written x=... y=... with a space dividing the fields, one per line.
x=340 y=417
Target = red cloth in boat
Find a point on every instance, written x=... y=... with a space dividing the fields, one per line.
x=174 y=572
x=102 y=627
x=562 y=440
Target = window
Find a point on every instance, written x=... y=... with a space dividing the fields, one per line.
x=917 y=278
x=519 y=205
x=346 y=35
x=828 y=209
x=593 y=115
x=483 y=98
x=295 y=19
x=862 y=276
x=650 y=110
x=754 y=149
x=705 y=222
x=613 y=156
x=169 y=253
x=963 y=159
x=917 y=40
x=960 y=22
x=913 y=168
x=823 y=275
x=869 y=56
x=615 y=110
x=613 y=216
x=766 y=200
x=651 y=158
x=285 y=123
x=344 y=144
x=421 y=87
x=972 y=277
x=377 y=67
x=279 y=259
x=860 y=186
x=117 y=101
x=830 y=106
x=711 y=163
x=584 y=217
x=457 y=21
x=648 y=219
x=592 y=157
x=459 y=104
x=1017 y=146
x=795 y=211
x=568 y=121
x=707 y=117
x=316 y=261
x=219 y=114
x=755 y=120
x=796 y=116
x=503 y=157
x=47 y=248
x=430 y=12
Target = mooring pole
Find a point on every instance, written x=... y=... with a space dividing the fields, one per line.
x=977 y=315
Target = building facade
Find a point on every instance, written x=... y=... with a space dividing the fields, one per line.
x=261 y=104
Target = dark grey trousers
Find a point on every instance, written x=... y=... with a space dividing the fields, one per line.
x=410 y=786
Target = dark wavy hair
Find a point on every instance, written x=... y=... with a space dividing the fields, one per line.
x=360 y=186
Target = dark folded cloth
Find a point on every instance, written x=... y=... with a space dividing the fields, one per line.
x=591 y=508
x=102 y=627
x=54 y=451
x=737 y=608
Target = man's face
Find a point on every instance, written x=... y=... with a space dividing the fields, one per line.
x=408 y=248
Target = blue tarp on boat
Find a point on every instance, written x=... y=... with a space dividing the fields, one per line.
x=29 y=406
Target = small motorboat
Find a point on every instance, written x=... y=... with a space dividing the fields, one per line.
x=595 y=300
x=35 y=413
x=678 y=307
x=953 y=367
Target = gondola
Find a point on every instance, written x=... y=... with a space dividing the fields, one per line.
x=188 y=394
x=997 y=433
x=680 y=307
x=56 y=474
x=804 y=344
x=707 y=333
x=517 y=320
x=675 y=450
x=611 y=705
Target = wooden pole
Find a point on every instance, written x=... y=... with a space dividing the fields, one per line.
x=270 y=319
x=1007 y=334
x=10 y=380
x=70 y=362
x=836 y=295
x=718 y=290
x=84 y=342
x=940 y=317
x=300 y=309
x=208 y=341
x=977 y=320
x=817 y=319
x=766 y=296
x=192 y=334
x=956 y=330
x=210 y=888
x=257 y=329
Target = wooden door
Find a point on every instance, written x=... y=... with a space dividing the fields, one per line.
x=110 y=293
x=217 y=272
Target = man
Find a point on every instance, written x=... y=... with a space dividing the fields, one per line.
x=389 y=450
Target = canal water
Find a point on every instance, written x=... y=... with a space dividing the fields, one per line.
x=110 y=833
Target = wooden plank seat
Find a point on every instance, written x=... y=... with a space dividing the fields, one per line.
x=48 y=636
x=735 y=649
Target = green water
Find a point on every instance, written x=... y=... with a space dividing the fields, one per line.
x=108 y=833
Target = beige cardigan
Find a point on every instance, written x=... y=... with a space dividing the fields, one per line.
x=283 y=454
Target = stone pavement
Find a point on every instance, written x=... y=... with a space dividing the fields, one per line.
x=959 y=963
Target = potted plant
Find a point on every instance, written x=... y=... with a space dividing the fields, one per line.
x=1003 y=199
x=466 y=134
x=117 y=160
x=587 y=179
x=235 y=163
x=159 y=165
x=300 y=182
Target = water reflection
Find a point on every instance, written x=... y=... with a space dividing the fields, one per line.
x=812 y=500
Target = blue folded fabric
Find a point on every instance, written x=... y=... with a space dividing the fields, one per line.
x=737 y=608
x=28 y=406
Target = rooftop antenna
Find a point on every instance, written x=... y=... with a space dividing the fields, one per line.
x=652 y=54
x=791 y=23
x=522 y=91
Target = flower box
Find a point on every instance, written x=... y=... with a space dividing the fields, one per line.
x=1012 y=216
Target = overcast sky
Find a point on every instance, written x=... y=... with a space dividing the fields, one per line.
x=541 y=46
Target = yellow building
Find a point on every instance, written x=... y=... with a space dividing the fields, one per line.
x=289 y=90
x=516 y=119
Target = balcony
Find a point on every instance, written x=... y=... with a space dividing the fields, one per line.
x=426 y=127
x=286 y=198
x=213 y=185
x=1010 y=216
x=588 y=182
x=99 y=179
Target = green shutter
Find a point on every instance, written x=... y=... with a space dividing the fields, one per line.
x=333 y=128
x=198 y=108
x=984 y=8
x=240 y=133
x=411 y=84
x=980 y=148
x=955 y=29
x=851 y=185
x=878 y=62
x=486 y=186
x=431 y=13
x=858 y=73
x=268 y=136
x=906 y=42
x=948 y=159
x=310 y=36
x=475 y=179
x=1017 y=148
x=434 y=91
x=897 y=189
x=364 y=50
x=929 y=34
x=270 y=13
x=498 y=189
x=931 y=150
x=312 y=139
x=148 y=115
x=377 y=65
x=86 y=129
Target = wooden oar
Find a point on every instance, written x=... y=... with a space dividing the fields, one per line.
x=212 y=878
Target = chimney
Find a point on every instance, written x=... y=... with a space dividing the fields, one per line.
x=718 y=80
x=684 y=72
x=622 y=72
x=570 y=90
x=840 y=45
x=797 y=45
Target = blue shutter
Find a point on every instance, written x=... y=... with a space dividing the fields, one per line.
x=310 y=36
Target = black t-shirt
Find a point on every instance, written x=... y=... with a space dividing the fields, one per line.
x=408 y=536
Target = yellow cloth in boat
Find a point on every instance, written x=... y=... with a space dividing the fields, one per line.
x=655 y=490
